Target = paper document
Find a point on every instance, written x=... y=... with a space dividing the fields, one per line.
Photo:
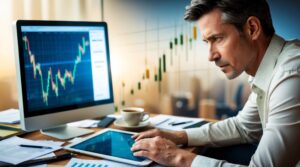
x=12 y=152
x=50 y=142
x=171 y=122
x=10 y=116
x=75 y=162
x=88 y=123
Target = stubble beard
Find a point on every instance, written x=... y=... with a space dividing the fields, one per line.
x=234 y=74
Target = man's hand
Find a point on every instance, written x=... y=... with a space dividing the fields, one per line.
x=175 y=136
x=162 y=151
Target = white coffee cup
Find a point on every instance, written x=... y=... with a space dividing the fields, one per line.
x=132 y=116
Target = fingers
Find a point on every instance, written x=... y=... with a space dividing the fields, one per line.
x=147 y=134
x=141 y=145
x=142 y=153
x=144 y=148
x=159 y=150
x=143 y=135
x=135 y=135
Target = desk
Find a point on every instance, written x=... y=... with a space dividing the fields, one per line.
x=38 y=136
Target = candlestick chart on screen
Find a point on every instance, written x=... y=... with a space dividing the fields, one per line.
x=168 y=60
x=57 y=69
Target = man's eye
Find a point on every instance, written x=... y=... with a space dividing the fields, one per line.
x=212 y=40
x=218 y=39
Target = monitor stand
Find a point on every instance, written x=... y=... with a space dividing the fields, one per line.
x=65 y=132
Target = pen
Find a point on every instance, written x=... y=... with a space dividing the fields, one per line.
x=180 y=123
x=34 y=146
x=163 y=121
x=46 y=160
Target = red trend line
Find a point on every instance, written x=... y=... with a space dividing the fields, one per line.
x=53 y=80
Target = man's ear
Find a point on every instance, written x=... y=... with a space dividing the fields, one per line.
x=253 y=27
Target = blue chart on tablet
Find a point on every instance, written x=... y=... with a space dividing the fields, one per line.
x=110 y=143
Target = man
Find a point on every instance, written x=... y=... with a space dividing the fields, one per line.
x=241 y=38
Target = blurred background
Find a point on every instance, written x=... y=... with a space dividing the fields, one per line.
x=158 y=60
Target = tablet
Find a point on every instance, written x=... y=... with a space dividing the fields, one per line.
x=109 y=144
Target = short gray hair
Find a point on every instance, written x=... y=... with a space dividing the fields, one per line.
x=234 y=12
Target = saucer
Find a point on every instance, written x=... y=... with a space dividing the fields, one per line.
x=120 y=123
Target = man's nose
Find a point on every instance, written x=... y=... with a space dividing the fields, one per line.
x=213 y=54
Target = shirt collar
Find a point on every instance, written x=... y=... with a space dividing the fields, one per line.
x=264 y=73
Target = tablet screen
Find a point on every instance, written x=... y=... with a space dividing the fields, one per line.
x=111 y=143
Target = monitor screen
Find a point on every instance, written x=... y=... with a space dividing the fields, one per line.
x=62 y=66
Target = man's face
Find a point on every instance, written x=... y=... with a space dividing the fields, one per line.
x=228 y=48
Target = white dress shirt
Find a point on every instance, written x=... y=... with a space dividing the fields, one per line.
x=271 y=116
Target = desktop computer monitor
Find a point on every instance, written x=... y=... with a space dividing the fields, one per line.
x=63 y=74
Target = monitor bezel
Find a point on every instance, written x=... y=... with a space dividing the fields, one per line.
x=21 y=67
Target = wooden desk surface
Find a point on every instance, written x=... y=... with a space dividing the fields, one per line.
x=38 y=136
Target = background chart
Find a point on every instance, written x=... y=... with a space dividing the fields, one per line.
x=57 y=51
x=151 y=26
